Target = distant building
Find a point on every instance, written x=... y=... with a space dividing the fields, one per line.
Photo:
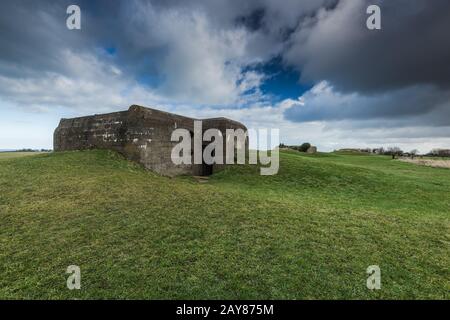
x=312 y=149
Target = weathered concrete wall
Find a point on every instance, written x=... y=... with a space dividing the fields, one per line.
x=99 y=131
x=222 y=124
x=141 y=134
x=148 y=140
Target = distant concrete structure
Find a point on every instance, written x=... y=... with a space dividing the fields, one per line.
x=312 y=149
x=141 y=134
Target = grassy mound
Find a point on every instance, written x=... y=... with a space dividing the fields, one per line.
x=309 y=232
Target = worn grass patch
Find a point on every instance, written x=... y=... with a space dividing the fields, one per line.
x=309 y=232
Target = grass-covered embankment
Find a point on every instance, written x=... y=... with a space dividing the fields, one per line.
x=309 y=232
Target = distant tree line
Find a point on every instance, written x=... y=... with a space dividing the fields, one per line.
x=302 y=148
x=439 y=153
x=398 y=152
x=32 y=150
x=391 y=151
x=394 y=151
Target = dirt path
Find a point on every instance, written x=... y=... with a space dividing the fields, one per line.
x=429 y=162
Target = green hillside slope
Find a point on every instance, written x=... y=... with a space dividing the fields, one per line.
x=309 y=232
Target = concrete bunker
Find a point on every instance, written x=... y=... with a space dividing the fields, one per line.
x=141 y=134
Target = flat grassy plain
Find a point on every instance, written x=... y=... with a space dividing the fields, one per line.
x=16 y=154
x=309 y=232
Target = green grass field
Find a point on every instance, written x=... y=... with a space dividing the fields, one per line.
x=309 y=232
x=12 y=155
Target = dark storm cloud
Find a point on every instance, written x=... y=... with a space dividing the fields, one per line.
x=195 y=51
x=326 y=104
x=412 y=48
x=30 y=37
x=33 y=32
x=399 y=72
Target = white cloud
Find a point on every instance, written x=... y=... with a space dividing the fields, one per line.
x=203 y=64
x=89 y=86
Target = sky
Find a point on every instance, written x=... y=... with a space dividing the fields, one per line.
x=310 y=68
